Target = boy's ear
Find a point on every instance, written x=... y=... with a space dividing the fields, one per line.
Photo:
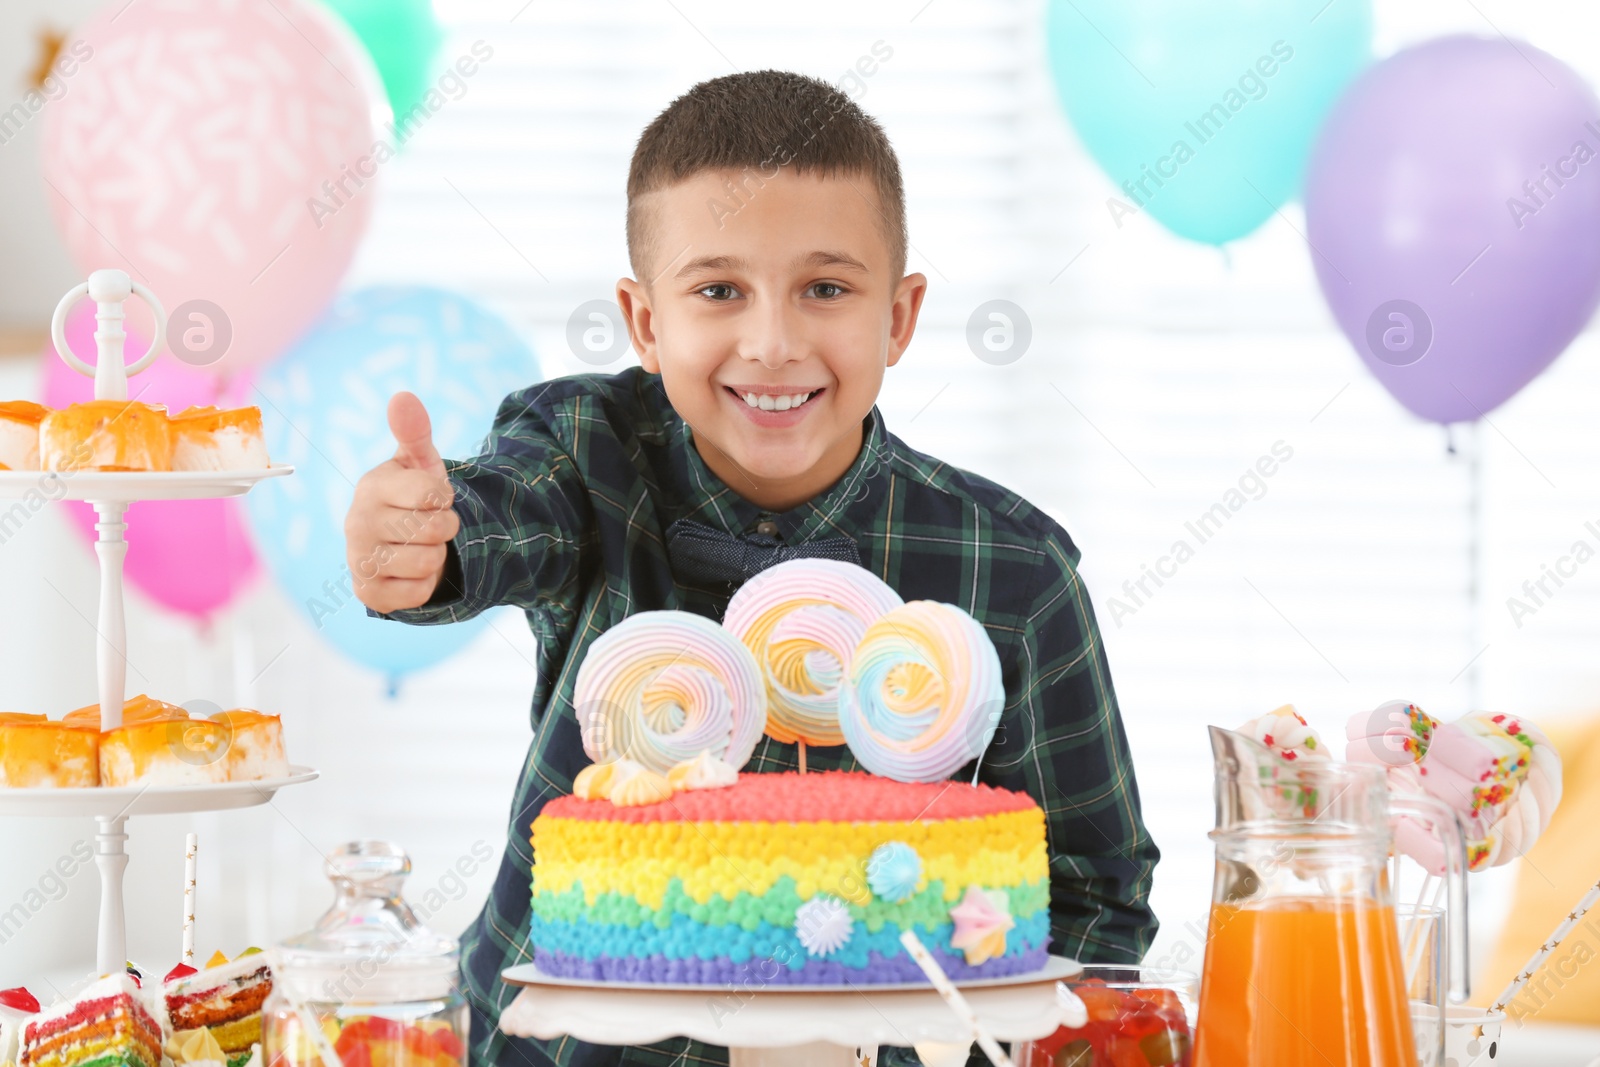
x=907 y=305
x=634 y=300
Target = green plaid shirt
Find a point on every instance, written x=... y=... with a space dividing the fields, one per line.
x=564 y=515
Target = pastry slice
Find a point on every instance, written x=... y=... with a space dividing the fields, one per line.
x=106 y=435
x=19 y=434
x=37 y=753
x=255 y=747
x=110 y=1023
x=159 y=744
x=218 y=439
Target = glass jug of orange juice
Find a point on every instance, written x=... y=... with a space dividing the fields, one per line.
x=1303 y=963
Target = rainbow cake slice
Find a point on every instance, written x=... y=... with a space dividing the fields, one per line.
x=17 y=1006
x=109 y=1024
x=792 y=879
x=225 y=999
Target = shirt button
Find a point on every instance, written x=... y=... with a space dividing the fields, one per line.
x=767 y=528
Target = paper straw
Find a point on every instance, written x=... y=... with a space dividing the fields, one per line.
x=952 y=996
x=190 y=846
x=1574 y=917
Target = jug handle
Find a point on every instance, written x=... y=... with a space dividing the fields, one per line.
x=1445 y=822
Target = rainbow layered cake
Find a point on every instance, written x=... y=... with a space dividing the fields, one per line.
x=793 y=879
x=224 y=999
x=109 y=1024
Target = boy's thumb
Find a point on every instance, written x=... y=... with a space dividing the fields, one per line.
x=413 y=434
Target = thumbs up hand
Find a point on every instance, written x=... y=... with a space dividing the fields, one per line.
x=401 y=518
x=413 y=434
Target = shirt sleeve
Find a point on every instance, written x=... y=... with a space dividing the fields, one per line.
x=1061 y=740
x=525 y=522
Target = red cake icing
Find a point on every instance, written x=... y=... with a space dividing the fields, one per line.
x=828 y=796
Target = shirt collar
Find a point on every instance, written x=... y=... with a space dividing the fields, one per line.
x=839 y=509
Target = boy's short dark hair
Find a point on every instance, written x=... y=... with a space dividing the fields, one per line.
x=753 y=123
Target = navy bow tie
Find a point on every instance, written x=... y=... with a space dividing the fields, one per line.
x=701 y=555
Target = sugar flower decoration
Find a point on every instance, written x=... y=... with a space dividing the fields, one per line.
x=982 y=919
x=894 y=871
x=823 y=925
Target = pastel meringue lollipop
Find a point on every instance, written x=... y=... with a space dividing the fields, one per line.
x=1396 y=733
x=802 y=621
x=923 y=694
x=661 y=687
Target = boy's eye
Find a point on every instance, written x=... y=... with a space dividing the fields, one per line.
x=827 y=290
x=718 y=292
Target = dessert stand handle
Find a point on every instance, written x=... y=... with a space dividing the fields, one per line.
x=108 y=288
x=111 y=952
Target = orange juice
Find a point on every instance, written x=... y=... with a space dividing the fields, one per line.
x=1303 y=982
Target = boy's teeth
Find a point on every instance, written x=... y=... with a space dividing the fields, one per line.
x=768 y=402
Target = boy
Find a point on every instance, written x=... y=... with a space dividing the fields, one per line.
x=766 y=231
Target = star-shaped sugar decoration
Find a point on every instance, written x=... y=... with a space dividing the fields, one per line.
x=981 y=919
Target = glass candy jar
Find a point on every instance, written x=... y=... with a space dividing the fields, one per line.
x=369 y=985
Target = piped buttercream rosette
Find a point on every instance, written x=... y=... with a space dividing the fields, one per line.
x=802 y=620
x=662 y=687
x=923 y=694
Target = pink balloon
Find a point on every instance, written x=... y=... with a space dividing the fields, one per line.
x=192 y=556
x=222 y=154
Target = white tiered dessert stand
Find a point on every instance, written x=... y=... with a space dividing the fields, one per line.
x=777 y=1026
x=111 y=493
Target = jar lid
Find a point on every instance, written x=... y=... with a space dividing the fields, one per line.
x=369 y=947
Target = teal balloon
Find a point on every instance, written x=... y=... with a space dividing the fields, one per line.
x=1203 y=113
x=402 y=37
x=324 y=408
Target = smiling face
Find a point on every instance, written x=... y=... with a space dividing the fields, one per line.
x=771 y=324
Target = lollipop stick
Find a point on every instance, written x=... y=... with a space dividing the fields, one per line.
x=802 y=745
x=190 y=847
x=1574 y=917
x=1417 y=937
x=952 y=996
x=1426 y=891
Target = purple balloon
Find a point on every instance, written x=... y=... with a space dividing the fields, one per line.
x=1453 y=210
